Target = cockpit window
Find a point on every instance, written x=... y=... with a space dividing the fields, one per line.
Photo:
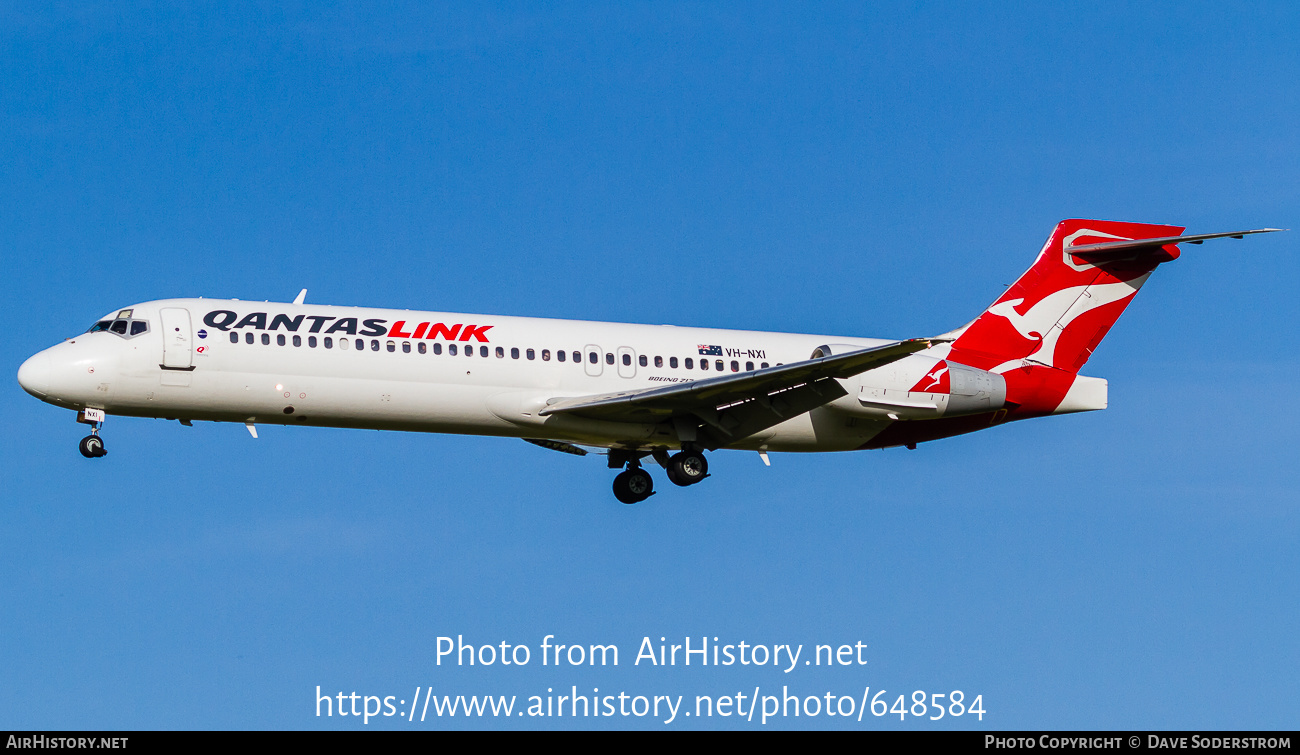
x=123 y=325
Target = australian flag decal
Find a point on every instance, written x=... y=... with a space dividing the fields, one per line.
x=710 y=351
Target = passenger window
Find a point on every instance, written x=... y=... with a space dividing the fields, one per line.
x=118 y=327
x=704 y=364
x=609 y=358
x=374 y=345
x=642 y=360
x=627 y=360
x=297 y=340
x=311 y=341
x=749 y=366
x=361 y=344
x=546 y=355
x=735 y=366
x=138 y=327
x=266 y=339
x=763 y=365
x=560 y=355
x=659 y=361
x=593 y=357
x=279 y=340
x=343 y=343
x=672 y=362
x=483 y=351
x=718 y=364
x=248 y=337
x=406 y=347
x=234 y=338
x=514 y=352
x=501 y=353
x=530 y=354
x=329 y=342
x=392 y=347
x=451 y=348
x=423 y=348
x=437 y=348
x=690 y=363
x=577 y=357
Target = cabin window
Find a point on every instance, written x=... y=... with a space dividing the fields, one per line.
x=609 y=358
x=718 y=364
x=735 y=366
x=248 y=337
x=763 y=365
x=234 y=338
x=437 y=348
x=593 y=357
x=266 y=340
x=483 y=351
x=627 y=360
x=297 y=340
x=659 y=361
x=546 y=355
x=530 y=354
x=374 y=344
x=672 y=362
x=451 y=348
x=690 y=363
x=514 y=352
x=361 y=344
x=343 y=343
x=501 y=353
x=392 y=346
x=279 y=340
x=749 y=366
x=406 y=347
x=561 y=355
x=704 y=364
x=311 y=341
x=329 y=342
x=422 y=347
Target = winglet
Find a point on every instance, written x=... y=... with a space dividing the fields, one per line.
x=300 y=297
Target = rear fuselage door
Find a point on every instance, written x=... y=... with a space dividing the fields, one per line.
x=178 y=339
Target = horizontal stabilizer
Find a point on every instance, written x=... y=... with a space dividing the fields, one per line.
x=1121 y=249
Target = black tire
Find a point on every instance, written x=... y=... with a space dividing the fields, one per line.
x=687 y=468
x=633 y=486
x=92 y=447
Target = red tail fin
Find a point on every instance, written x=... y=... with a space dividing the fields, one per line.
x=1061 y=308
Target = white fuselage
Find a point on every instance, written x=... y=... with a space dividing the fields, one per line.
x=195 y=362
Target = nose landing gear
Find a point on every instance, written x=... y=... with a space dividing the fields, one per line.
x=92 y=446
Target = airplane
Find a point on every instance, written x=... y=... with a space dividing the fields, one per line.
x=669 y=393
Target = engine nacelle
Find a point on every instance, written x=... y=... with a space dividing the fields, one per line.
x=918 y=387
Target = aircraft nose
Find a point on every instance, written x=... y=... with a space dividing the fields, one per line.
x=34 y=375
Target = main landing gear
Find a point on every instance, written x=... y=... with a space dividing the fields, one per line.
x=634 y=484
x=91 y=446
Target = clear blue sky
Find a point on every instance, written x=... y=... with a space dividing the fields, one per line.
x=875 y=170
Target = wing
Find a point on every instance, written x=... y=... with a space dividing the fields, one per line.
x=734 y=406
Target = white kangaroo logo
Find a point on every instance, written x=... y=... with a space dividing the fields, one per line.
x=1048 y=318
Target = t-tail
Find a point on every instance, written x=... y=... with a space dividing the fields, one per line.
x=1043 y=329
